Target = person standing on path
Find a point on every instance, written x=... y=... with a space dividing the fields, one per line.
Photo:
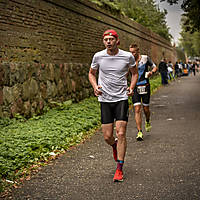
x=170 y=71
x=176 y=68
x=112 y=91
x=162 y=67
x=194 y=68
x=141 y=95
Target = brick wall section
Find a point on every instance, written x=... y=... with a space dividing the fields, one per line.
x=46 y=47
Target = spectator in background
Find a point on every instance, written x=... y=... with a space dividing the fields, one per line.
x=188 y=67
x=162 y=68
x=180 y=68
x=194 y=68
x=176 y=69
x=170 y=70
x=198 y=66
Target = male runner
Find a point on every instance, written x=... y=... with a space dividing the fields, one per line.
x=112 y=91
x=141 y=94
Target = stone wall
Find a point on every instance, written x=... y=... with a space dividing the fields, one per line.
x=46 y=47
x=27 y=88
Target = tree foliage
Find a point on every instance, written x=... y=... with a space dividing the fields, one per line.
x=180 y=54
x=190 y=41
x=191 y=10
x=144 y=12
x=171 y=2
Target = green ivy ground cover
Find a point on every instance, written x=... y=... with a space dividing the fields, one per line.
x=26 y=142
x=155 y=83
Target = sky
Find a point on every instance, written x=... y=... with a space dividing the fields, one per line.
x=173 y=18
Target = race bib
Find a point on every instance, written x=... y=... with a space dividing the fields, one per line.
x=142 y=89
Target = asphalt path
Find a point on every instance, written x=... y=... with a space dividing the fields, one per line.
x=165 y=166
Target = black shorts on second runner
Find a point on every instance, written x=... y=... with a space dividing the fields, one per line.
x=139 y=99
x=114 y=111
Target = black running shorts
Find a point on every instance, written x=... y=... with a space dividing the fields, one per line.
x=139 y=99
x=114 y=111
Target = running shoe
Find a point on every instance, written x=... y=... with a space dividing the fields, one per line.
x=118 y=177
x=139 y=136
x=147 y=126
x=115 y=151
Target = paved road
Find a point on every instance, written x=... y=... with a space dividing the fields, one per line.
x=165 y=166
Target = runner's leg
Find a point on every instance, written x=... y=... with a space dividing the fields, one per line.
x=107 y=130
x=146 y=102
x=146 y=112
x=107 y=120
x=121 y=135
x=121 y=116
x=138 y=117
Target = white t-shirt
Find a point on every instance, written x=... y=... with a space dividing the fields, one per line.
x=170 y=68
x=112 y=74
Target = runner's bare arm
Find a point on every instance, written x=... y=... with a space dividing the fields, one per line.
x=134 y=78
x=93 y=81
x=152 y=71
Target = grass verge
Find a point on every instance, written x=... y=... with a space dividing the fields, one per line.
x=28 y=143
